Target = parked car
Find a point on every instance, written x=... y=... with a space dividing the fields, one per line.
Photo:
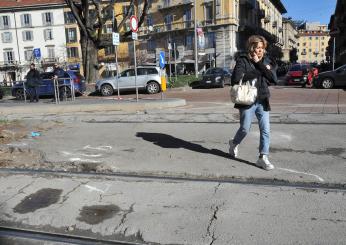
x=46 y=87
x=298 y=74
x=216 y=77
x=148 y=79
x=330 y=79
x=1 y=93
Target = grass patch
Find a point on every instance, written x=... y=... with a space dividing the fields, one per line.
x=182 y=81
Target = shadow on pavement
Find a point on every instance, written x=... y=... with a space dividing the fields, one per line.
x=168 y=141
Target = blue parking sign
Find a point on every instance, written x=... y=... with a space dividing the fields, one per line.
x=37 y=53
x=162 y=59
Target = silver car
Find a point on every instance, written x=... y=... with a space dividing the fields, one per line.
x=148 y=78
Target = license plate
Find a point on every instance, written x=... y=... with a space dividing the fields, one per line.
x=296 y=80
x=207 y=81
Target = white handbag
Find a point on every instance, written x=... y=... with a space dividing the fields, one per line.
x=244 y=94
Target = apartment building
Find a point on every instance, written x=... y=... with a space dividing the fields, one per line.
x=170 y=23
x=290 y=39
x=222 y=26
x=337 y=26
x=313 y=43
x=27 y=25
x=73 y=48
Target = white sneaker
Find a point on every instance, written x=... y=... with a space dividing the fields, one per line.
x=233 y=149
x=264 y=163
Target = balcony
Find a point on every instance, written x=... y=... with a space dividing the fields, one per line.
x=174 y=26
x=168 y=7
x=280 y=29
x=208 y=22
x=303 y=53
x=266 y=19
x=275 y=24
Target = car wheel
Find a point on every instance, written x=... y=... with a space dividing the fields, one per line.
x=107 y=90
x=153 y=88
x=64 y=93
x=327 y=83
x=19 y=94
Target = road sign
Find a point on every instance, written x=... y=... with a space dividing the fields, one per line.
x=37 y=53
x=169 y=46
x=162 y=59
x=134 y=23
x=134 y=36
x=116 y=39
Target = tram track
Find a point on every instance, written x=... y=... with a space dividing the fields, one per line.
x=269 y=182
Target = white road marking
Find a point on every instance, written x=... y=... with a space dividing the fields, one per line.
x=81 y=154
x=17 y=144
x=77 y=159
x=100 y=148
x=92 y=188
x=298 y=172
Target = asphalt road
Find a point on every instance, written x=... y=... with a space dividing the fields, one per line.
x=164 y=176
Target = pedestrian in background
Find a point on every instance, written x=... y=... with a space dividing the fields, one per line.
x=255 y=65
x=58 y=72
x=33 y=82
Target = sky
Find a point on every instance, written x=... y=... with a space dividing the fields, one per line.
x=310 y=10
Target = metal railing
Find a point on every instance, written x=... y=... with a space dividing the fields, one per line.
x=62 y=91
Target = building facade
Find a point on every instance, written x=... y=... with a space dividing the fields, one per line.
x=313 y=43
x=290 y=39
x=223 y=26
x=25 y=26
x=337 y=28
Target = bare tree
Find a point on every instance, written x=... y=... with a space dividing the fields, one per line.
x=91 y=16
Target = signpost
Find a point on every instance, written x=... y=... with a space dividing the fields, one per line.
x=116 y=42
x=134 y=29
x=163 y=78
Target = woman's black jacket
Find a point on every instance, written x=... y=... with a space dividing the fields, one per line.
x=251 y=70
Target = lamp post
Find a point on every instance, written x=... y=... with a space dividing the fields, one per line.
x=195 y=32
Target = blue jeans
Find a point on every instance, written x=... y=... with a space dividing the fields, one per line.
x=246 y=116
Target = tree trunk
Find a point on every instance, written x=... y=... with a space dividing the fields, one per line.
x=90 y=62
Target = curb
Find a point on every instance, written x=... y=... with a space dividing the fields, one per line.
x=104 y=105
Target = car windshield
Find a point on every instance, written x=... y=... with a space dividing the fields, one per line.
x=296 y=68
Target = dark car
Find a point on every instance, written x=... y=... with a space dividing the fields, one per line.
x=216 y=77
x=46 y=87
x=298 y=74
x=330 y=79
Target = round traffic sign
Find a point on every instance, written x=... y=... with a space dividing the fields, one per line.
x=134 y=23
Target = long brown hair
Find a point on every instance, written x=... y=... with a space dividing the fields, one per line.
x=252 y=42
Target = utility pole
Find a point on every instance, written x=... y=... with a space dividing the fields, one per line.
x=333 y=53
x=195 y=30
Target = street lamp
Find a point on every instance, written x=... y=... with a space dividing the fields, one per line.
x=195 y=31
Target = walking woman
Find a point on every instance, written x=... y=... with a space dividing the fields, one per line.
x=253 y=65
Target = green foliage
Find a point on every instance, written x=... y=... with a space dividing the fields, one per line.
x=181 y=81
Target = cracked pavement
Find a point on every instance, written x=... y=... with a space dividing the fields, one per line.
x=152 y=211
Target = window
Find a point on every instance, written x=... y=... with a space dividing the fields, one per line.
x=209 y=40
x=28 y=36
x=168 y=22
x=8 y=56
x=51 y=52
x=322 y=43
x=316 y=38
x=71 y=35
x=322 y=38
x=298 y=44
x=128 y=73
x=310 y=38
x=108 y=28
x=187 y=17
x=5 y=22
x=150 y=21
x=47 y=18
x=72 y=52
x=48 y=34
x=151 y=44
x=26 y=20
x=6 y=37
x=309 y=49
x=151 y=71
x=208 y=11
x=69 y=18
x=110 y=50
x=188 y=42
x=127 y=10
x=28 y=54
